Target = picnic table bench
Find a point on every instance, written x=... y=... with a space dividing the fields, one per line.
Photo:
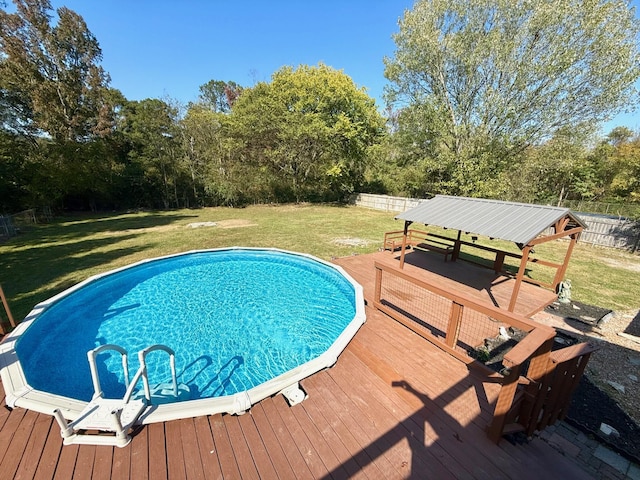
x=419 y=240
x=437 y=246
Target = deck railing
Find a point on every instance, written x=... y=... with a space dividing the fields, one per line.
x=459 y=325
x=394 y=241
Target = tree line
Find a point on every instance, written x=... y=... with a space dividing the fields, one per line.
x=498 y=99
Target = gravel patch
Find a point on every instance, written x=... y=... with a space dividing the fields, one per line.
x=617 y=361
x=610 y=394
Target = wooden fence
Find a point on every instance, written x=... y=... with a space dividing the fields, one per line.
x=385 y=202
x=613 y=232
x=602 y=230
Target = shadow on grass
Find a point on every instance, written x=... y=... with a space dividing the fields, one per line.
x=79 y=226
x=34 y=265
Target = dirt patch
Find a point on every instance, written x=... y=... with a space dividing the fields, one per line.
x=353 y=242
x=235 y=223
x=202 y=224
x=492 y=352
x=118 y=233
x=634 y=267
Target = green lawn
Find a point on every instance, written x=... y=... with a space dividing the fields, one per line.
x=47 y=258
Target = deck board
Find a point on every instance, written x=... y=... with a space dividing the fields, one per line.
x=157 y=449
x=345 y=416
x=121 y=467
x=228 y=462
x=48 y=461
x=190 y=449
x=294 y=456
x=261 y=458
x=241 y=450
x=412 y=409
x=272 y=445
x=394 y=406
x=335 y=441
x=102 y=464
x=34 y=448
x=139 y=460
x=4 y=412
x=84 y=462
x=207 y=448
x=19 y=444
x=66 y=463
x=175 y=461
x=310 y=452
x=387 y=415
x=439 y=388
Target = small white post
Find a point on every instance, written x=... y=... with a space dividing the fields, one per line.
x=65 y=430
x=121 y=435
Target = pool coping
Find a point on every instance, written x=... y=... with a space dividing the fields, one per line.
x=20 y=394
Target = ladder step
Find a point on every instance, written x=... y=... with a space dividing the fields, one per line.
x=163 y=393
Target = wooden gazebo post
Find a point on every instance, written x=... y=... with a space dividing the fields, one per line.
x=560 y=273
x=561 y=269
x=407 y=223
x=523 y=268
x=456 y=247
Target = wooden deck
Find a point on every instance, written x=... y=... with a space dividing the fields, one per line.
x=481 y=283
x=394 y=406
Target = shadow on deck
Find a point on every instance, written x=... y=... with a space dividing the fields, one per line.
x=481 y=283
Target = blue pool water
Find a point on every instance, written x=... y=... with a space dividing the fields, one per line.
x=235 y=318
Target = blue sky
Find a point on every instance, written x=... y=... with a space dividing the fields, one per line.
x=155 y=49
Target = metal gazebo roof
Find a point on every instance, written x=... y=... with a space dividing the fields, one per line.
x=520 y=223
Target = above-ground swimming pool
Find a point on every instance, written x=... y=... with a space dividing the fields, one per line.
x=244 y=324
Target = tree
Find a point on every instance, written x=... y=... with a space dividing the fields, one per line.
x=308 y=130
x=50 y=77
x=626 y=182
x=15 y=174
x=150 y=127
x=557 y=170
x=54 y=94
x=218 y=95
x=207 y=149
x=619 y=136
x=492 y=77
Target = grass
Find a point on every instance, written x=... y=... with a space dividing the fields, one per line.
x=47 y=258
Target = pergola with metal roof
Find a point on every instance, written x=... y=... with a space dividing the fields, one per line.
x=521 y=223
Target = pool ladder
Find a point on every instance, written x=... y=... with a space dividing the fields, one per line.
x=117 y=416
